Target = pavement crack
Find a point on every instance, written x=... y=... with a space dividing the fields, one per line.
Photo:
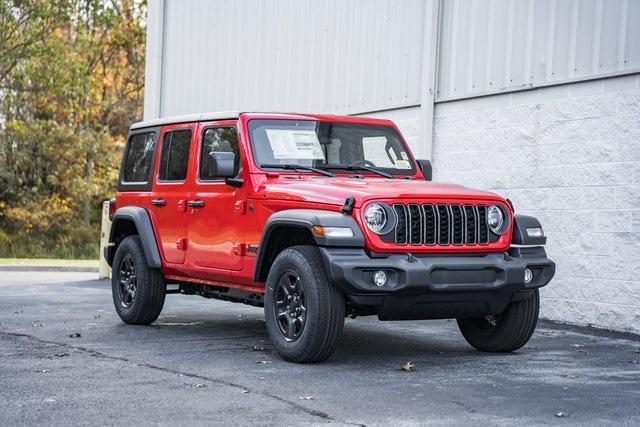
x=95 y=353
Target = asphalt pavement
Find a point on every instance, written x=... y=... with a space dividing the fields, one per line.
x=66 y=358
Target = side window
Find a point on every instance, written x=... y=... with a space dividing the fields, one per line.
x=139 y=157
x=174 y=158
x=218 y=140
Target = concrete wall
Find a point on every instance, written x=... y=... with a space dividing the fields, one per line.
x=569 y=155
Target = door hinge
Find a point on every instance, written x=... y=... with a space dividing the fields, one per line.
x=238 y=249
x=240 y=207
x=181 y=244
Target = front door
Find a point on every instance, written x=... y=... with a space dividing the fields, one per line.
x=168 y=198
x=215 y=208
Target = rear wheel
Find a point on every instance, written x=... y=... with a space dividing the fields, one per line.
x=303 y=311
x=138 y=290
x=505 y=332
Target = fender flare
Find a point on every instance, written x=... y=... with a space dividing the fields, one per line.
x=520 y=235
x=307 y=219
x=142 y=222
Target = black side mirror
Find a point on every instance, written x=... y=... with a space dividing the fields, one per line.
x=425 y=167
x=221 y=164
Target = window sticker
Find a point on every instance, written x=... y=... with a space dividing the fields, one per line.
x=403 y=164
x=404 y=155
x=295 y=144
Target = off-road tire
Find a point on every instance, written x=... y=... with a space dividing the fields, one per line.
x=513 y=328
x=150 y=289
x=325 y=306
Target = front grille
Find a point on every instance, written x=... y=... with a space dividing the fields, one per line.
x=441 y=224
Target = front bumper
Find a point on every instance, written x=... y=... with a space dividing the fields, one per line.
x=437 y=286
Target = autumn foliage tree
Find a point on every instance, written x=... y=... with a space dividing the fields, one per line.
x=71 y=81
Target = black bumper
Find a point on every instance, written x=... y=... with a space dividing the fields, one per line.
x=421 y=287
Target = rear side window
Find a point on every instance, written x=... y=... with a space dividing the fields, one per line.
x=218 y=140
x=139 y=157
x=174 y=158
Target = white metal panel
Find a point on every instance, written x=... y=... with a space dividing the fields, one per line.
x=289 y=55
x=498 y=45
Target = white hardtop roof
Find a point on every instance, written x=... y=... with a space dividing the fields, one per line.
x=202 y=117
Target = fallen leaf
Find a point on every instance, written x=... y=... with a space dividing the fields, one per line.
x=306 y=397
x=75 y=335
x=561 y=414
x=408 y=367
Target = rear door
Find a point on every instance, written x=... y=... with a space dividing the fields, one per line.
x=170 y=191
x=215 y=229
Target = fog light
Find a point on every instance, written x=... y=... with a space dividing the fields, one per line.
x=379 y=278
x=528 y=275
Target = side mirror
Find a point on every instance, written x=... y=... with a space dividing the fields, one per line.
x=425 y=167
x=221 y=164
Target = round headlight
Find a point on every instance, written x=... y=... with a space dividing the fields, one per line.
x=375 y=217
x=495 y=219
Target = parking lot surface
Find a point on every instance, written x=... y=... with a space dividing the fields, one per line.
x=66 y=358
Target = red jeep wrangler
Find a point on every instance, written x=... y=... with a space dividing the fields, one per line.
x=315 y=218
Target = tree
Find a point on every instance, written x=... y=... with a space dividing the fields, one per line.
x=72 y=79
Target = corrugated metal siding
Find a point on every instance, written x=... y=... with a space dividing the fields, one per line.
x=491 y=46
x=316 y=55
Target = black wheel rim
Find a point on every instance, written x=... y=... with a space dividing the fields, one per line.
x=127 y=283
x=290 y=306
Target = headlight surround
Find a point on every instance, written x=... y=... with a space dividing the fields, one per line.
x=375 y=217
x=496 y=219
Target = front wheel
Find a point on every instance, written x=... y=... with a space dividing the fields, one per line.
x=303 y=311
x=505 y=332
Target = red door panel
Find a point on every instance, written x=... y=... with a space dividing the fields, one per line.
x=215 y=230
x=170 y=190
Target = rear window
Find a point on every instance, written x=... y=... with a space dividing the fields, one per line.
x=175 y=156
x=139 y=157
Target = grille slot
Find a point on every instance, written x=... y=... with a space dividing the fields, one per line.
x=430 y=231
x=415 y=224
x=440 y=224
x=483 y=231
x=401 y=227
x=442 y=216
x=470 y=224
x=457 y=230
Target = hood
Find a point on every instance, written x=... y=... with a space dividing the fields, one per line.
x=326 y=190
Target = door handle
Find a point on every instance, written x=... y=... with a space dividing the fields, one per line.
x=195 y=203
x=158 y=202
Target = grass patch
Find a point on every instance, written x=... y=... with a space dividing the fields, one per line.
x=49 y=262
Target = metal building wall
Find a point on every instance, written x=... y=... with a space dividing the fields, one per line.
x=289 y=55
x=492 y=46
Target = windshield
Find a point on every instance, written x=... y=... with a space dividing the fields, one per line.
x=325 y=145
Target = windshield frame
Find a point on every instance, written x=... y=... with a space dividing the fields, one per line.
x=388 y=127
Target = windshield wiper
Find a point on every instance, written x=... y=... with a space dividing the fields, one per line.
x=293 y=166
x=359 y=168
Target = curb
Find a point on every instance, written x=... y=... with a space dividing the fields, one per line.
x=66 y=268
